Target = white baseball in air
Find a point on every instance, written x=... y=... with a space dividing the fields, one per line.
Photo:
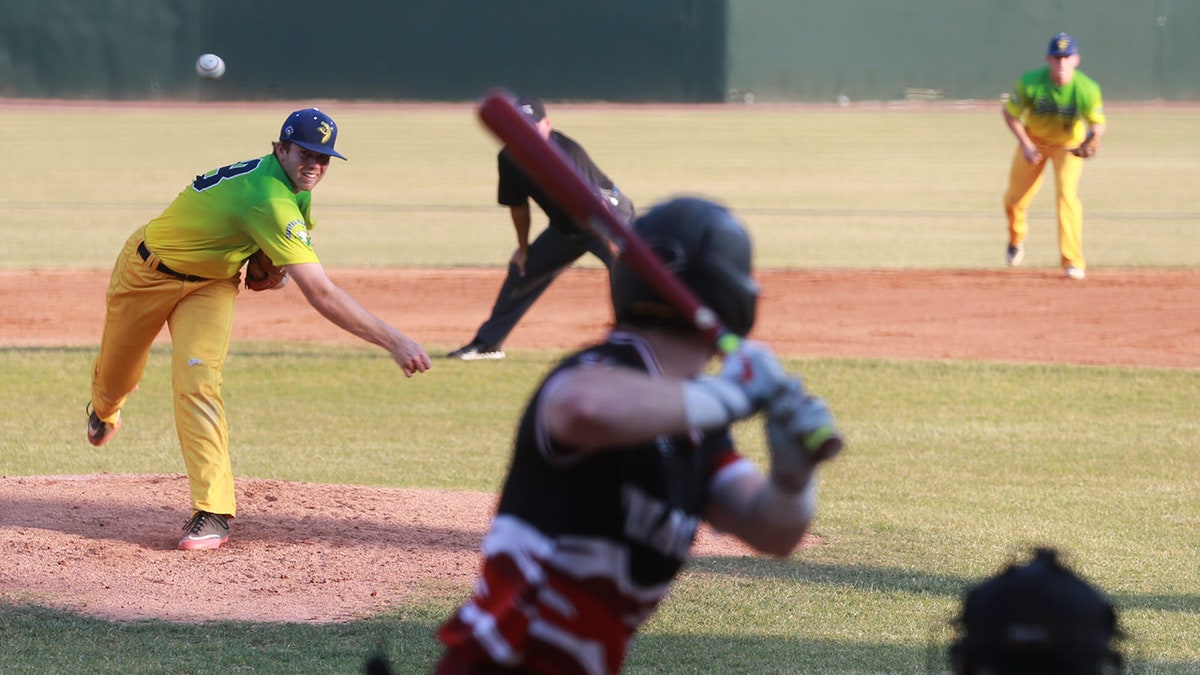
x=210 y=66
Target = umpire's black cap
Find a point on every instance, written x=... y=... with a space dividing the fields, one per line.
x=532 y=107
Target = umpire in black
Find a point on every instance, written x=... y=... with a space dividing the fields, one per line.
x=535 y=265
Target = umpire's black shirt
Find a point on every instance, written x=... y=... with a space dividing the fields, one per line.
x=516 y=187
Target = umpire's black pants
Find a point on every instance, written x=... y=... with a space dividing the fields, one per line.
x=552 y=252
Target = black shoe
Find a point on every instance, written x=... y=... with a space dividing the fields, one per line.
x=476 y=352
x=1015 y=254
x=204 y=531
x=98 y=432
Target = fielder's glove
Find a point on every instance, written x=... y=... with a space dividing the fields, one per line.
x=1089 y=147
x=264 y=275
x=800 y=433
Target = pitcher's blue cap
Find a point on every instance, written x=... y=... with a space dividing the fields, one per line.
x=312 y=130
x=1062 y=45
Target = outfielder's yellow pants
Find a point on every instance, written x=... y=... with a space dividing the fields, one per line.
x=140 y=301
x=1024 y=180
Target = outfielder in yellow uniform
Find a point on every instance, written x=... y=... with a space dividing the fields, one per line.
x=1057 y=114
x=183 y=269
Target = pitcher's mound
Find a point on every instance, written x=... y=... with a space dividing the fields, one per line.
x=104 y=545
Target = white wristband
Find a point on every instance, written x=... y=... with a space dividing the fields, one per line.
x=710 y=402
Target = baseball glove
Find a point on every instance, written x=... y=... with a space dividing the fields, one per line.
x=1088 y=147
x=264 y=275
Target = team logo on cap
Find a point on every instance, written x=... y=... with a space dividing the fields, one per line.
x=1063 y=43
x=527 y=109
x=325 y=130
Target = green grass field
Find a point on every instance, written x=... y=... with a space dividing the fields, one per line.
x=953 y=467
x=818 y=187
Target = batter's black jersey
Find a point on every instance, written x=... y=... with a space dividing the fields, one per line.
x=516 y=187
x=586 y=546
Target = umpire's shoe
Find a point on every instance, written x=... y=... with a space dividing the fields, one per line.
x=476 y=351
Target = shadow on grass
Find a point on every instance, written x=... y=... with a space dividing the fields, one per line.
x=38 y=640
x=753 y=655
x=904 y=581
x=703 y=654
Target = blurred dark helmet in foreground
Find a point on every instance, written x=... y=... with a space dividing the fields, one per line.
x=1036 y=618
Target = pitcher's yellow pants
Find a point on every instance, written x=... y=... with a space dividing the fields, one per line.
x=199 y=314
x=1024 y=180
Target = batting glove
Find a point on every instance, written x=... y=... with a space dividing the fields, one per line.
x=750 y=377
x=800 y=432
x=755 y=371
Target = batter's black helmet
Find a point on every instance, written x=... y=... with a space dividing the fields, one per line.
x=1036 y=618
x=708 y=249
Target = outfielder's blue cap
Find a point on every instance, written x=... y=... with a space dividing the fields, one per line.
x=1062 y=45
x=312 y=130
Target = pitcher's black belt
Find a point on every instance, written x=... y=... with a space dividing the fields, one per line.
x=162 y=266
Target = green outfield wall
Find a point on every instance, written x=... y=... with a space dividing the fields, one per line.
x=618 y=50
x=669 y=50
x=793 y=50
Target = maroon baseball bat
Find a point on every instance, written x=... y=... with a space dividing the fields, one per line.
x=550 y=167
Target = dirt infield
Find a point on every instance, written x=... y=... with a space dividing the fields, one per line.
x=1121 y=317
x=104 y=545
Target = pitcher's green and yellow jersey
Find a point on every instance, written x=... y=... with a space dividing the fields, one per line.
x=1054 y=115
x=229 y=213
